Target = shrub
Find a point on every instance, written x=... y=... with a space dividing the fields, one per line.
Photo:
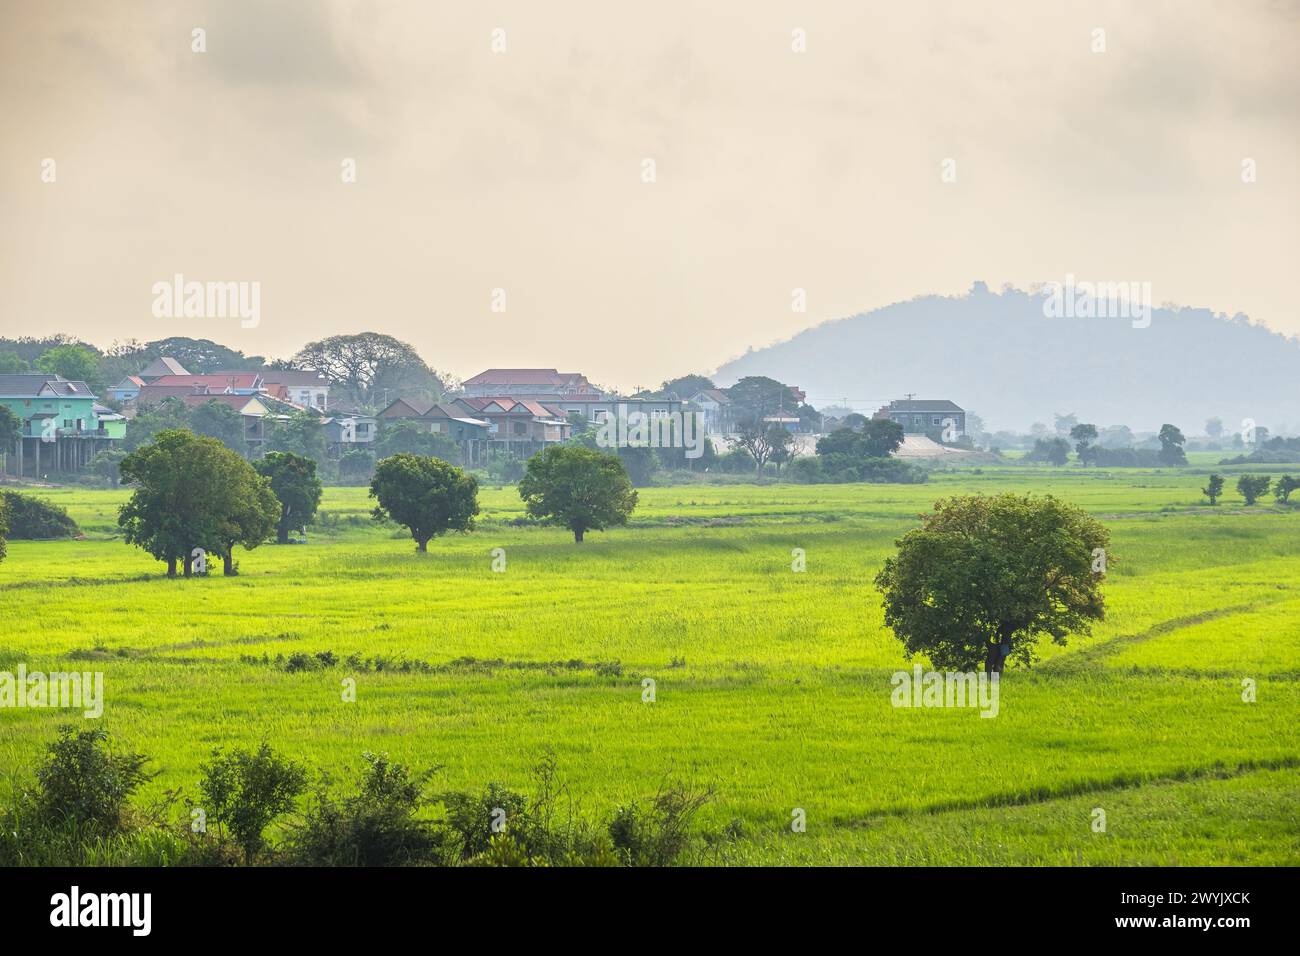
x=244 y=792
x=503 y=468
x=736 y=462
x=33 y=519
x=658 y=834
x=356 y=467
x=377 y=825
x=471 y=817
x=842 y=467
x=84 y=783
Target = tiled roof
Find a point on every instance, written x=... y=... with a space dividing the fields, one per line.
x=69 y=389
x=156 y=393
x=24 y=384
x=163 y=366
x=237 y=402
x=217 y=380
x=923 y=405
x=272 y=377
x=523 y=376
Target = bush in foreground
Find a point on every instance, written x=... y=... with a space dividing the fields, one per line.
x=79 y=815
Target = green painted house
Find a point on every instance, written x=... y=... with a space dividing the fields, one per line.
x=62 y=424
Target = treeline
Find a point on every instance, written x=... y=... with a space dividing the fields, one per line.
x=1253 y=487
x=260 y=808
x=1273 y=451
x=194 y=499
x=364 y=369
x=1088 y=450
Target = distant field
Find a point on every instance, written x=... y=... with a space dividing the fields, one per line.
x=772 y=686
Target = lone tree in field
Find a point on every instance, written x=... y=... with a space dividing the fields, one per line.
x=294 y=481
x=579 y=488
x=4 y=526
x=985 y=576
x=1171 y=446
x=1084 y=435
x=1213 y=489
x=1251 y=487
x=192 y=492
x=426 y=495
x=1285 y=485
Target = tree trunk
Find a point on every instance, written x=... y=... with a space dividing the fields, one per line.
x=422 y=545
x=282 y=534
x=171 y=567
x=228 y=562
x=187 y=566
x=577 y=535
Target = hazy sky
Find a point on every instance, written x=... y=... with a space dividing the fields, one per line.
x=523 y=169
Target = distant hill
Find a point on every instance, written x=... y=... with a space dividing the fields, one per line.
x=999 y=356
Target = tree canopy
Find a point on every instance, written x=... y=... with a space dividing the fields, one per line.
x=217 y=420
x=299 y=433
x=193 y=492
x=11 y=428
x=155 y=418
x=74 y=362
x=985 y=576
x=426 y=495
x=1171 y=446
x=407 y=435
x=293 y=481
x=878 y=438
x=765 y=441
x=372 y=368
x=685 y=386
x=579 y=488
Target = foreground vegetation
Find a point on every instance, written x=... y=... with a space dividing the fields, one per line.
x=771 y=687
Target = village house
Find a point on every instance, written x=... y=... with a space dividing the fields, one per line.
x=346 y=432
x=597 y=408
x=924 y=415
x=715 y=407
x=520 y=427
x=457 y=420
x=307 y=388
x=62 y=423
x=127 y=390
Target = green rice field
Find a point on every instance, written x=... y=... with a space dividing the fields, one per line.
x=772 y=686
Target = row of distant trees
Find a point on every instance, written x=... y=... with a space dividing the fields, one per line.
x=193 y=497
x=1056 y=451
x=1253 y=487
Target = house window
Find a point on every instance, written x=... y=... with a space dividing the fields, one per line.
x=363 y=428
x=601 y=414
x=936 y=420
x=521 y=428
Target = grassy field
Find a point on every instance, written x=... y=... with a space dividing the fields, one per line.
x=771 y=686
